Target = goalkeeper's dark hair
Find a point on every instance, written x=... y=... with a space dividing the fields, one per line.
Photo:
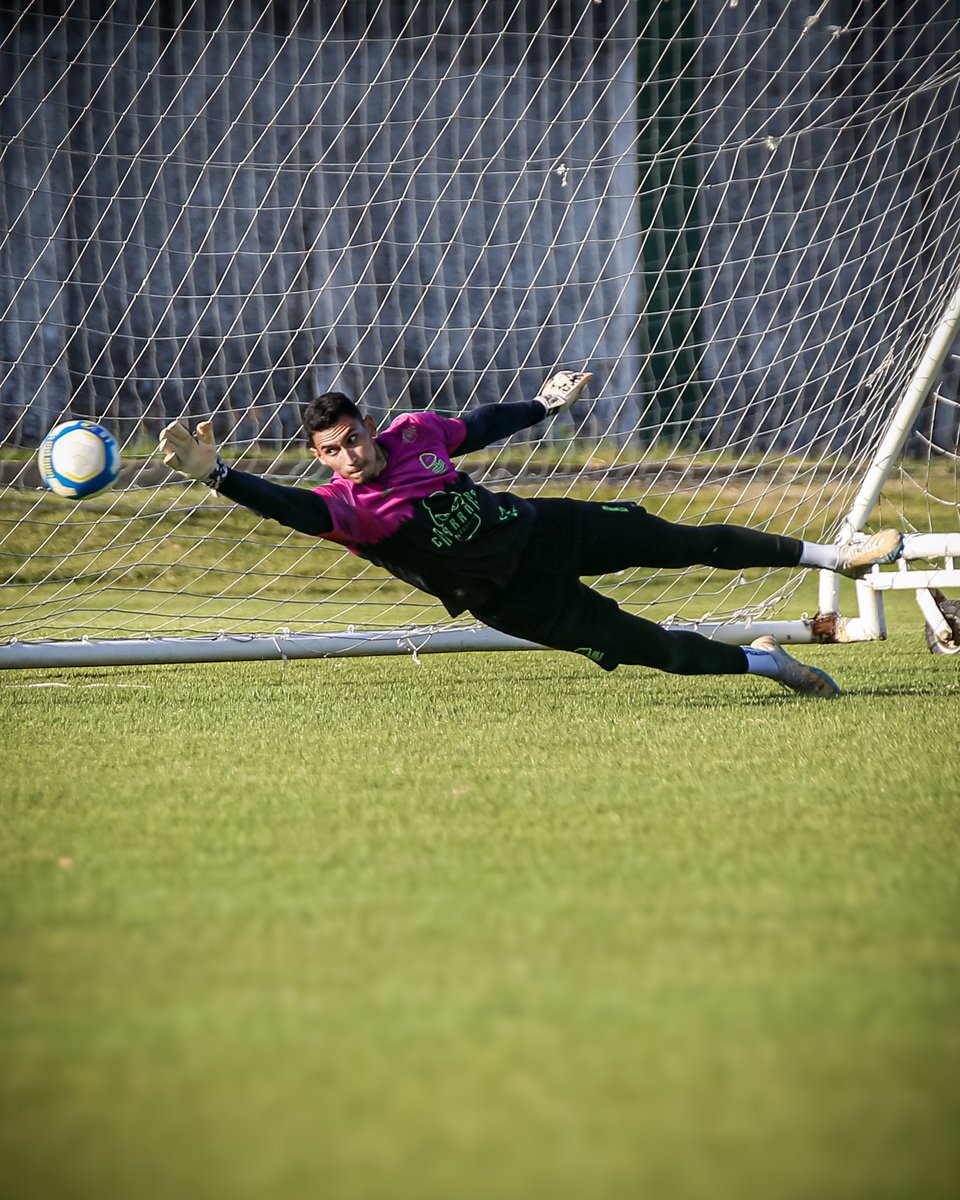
x=325 y=410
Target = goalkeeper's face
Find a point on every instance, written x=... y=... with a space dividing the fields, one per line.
x=350 y=449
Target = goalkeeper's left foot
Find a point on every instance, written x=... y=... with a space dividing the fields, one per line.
x=797 y=676
x=862 y=553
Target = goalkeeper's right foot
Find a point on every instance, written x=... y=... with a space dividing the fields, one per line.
x=861 y=553
x=797 y=676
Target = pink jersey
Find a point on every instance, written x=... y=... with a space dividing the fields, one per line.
x=418 y=448
x=425 y=521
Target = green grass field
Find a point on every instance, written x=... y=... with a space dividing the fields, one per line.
x=487 y=926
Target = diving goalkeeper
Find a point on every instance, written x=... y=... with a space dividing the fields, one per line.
x=397 y=499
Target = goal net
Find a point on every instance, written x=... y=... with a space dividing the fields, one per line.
x=742 y=216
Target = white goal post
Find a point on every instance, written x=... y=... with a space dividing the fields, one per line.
x=744 y=219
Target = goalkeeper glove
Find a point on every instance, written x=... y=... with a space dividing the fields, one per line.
x=193 y=455
x=561 y=390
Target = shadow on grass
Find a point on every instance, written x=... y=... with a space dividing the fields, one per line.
x=898 y=691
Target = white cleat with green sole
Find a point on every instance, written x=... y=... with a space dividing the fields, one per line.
x=797 y=676
x=863 y=552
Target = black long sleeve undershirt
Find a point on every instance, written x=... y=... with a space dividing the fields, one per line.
x=296 y=507
x=494 y=422
x=305 y=511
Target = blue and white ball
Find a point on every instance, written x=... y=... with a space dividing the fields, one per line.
x=79 y=459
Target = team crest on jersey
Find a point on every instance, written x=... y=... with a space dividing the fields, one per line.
x=432 y=463
x=409 y=434
x=455 y=517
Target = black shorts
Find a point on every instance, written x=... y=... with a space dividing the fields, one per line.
x=546 y=602
x=557 y=610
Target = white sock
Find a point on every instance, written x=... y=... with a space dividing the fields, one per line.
x=816 y=555
x=760 y=662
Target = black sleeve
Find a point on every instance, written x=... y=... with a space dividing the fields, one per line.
x=295 y=507
x=494 y=422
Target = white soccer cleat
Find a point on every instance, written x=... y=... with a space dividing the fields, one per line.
x=797 y=676
x=861 y=553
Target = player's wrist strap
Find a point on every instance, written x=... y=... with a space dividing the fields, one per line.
x=217 y=475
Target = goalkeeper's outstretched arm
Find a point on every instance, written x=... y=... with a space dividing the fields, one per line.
x=197 y=458
x=494 y=422
x=296 y=507
x=195 y=455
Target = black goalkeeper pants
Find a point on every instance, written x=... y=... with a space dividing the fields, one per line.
x=546 y=602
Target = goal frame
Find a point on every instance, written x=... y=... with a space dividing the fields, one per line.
x=829 y=625
x=745 y=223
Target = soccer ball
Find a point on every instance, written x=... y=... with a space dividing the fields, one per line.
x=79 y=459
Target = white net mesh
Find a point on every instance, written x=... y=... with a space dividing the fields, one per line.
x=744 y=219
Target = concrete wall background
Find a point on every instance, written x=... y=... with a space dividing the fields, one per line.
x=838 y=188
x=231 y=214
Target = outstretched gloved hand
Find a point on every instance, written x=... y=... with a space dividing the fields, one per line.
x=561 y=390
x=192 y=455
